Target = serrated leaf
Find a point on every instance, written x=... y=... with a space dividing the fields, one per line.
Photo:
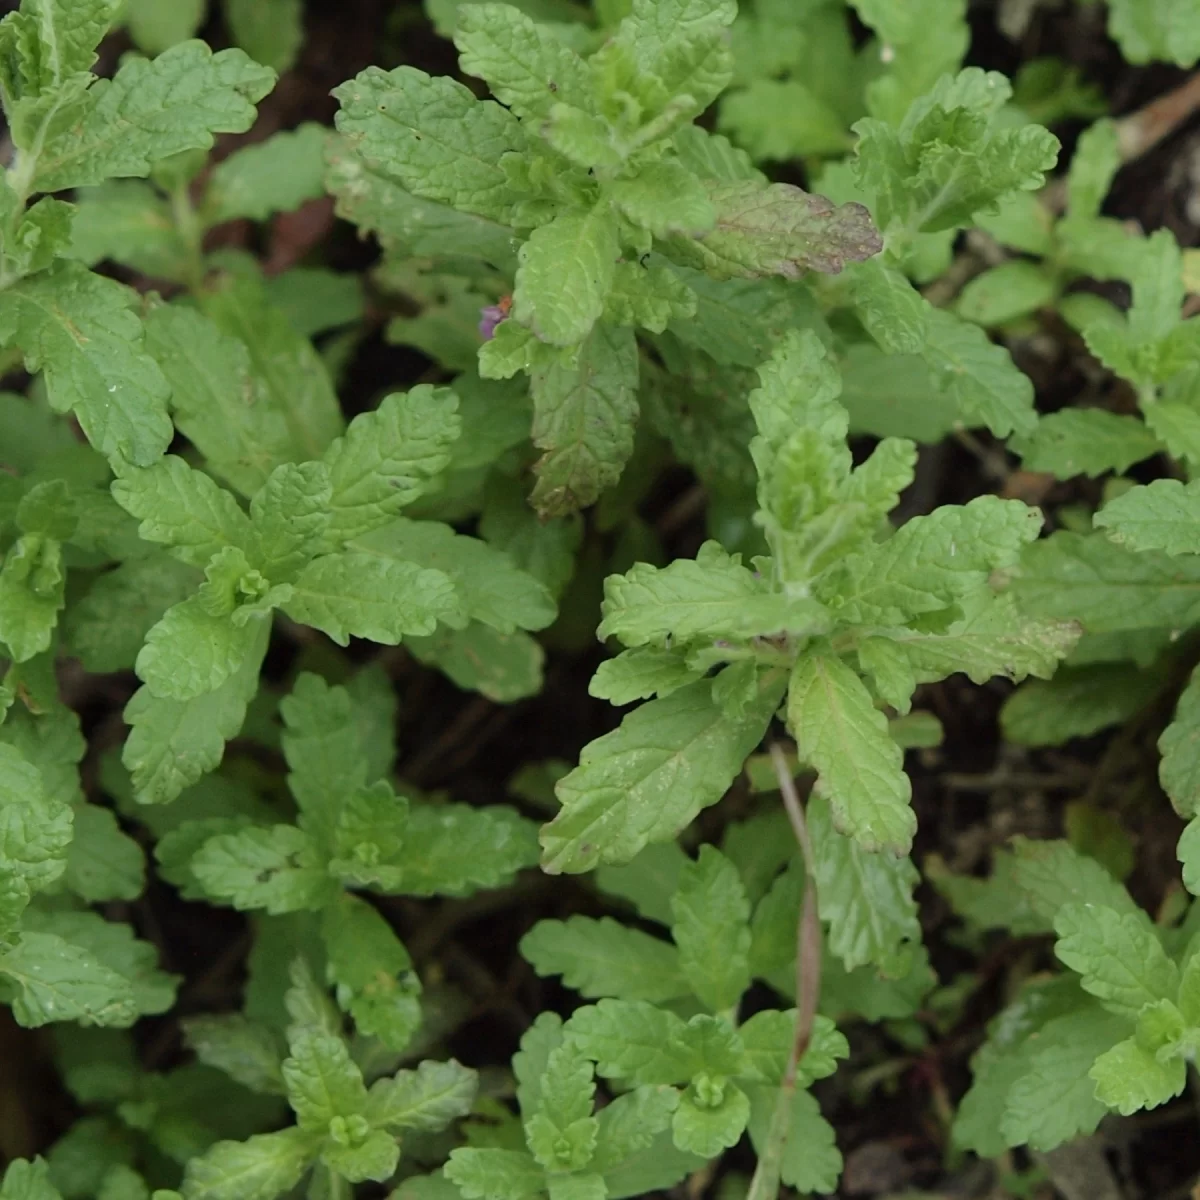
x=279 y=869
x=431 y=135
x=1179 y=745
x=1161 y=516
x=495 y=1174
x=183 y=509
x=389 y=457
x=107 y=627
x=646 y=780
x=711 y=596
x=634 y=1040
x=979 y=377
x=173 y=743
x=190 y=652
x=1130 y=1077
x=55 y=980
x=490 y=587
x=1085 y=441
x=218 y=401
x=844 y=736
x=1156 y=30
x=80 y=331
x=1105 y=587
x=711 y=927
x=322 y=1081
x=811 y=1161
x=103 y=862
x=639 y=674
x=777 y=229
x=527 y=67
x=277 y=175
x=584 y=410
x=865 y=899
x=262 y=1167
x=128 y=222
x=356 y=594
x=605 y=958
x=35 y=828
x=715 y=1125
x=427 y=1099
x=246 y=1051
x=665 y=198
x=1120 y=960
x=1006 y=293
x=152 y=109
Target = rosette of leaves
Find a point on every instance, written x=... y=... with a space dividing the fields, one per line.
x=846 y=613
x=345 y=1131
x=322 y=542
x=584 y=167
x=564 y=1146
x=1114 y=1035
x=646 y=1031
x=351 y=832
x=70 y=129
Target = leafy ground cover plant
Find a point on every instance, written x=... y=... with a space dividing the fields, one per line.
x=667 y=356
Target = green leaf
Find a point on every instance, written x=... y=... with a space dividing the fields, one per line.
x=892 y=310
x=860 y=769
x=290 y=515
x=129 y=222
x=639 y=674
x=155 y=27
x=270 y=31
x=32 y=593
x=279 y=869
x=150 y=110
x=630 y=1124
x=665 y=198
x=712 y=930
x=865 y=899
x=1159 y=516
x=103 y=863
x=979 y=377
x=432 y=136
x=80 y=331
x=52 y=979
x=426 y=1099
x=1094 y=165
x=502 y=667
x=1145 y=1070
x=219 y=403
x=648 y=882
x=1007 y=292
x=292 y=374
x=372 y=971
x=25 y=1180
x=1077 y=702
x=1156 y=30
x=811 y=1161
x=183 y=509
x=1120 y=960
x=322 y=1081
x=710 y=1119
x=245 y=1050
x=1179 y=745
x=646 y=780
x=35 y=828
x=390 y=457
x=711 y=596
x=634 y=1040
x=1085 y=441
x=1054 y=1099
x=491 y=588
x=605 y=958
x=565 y=274
x=278 y=175
x=1105 y=587
x=456 y=849
x=106 y=628
x=584 y=409
x=262 y=1167
x=777 y=229
x=175 y=742
x=191 y=652
x=363 y=595
x=495 y=1174
x=527 y=66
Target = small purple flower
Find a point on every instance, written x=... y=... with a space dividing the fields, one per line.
x=489 y=318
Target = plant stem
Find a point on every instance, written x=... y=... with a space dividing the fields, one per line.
x=765 y=1184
